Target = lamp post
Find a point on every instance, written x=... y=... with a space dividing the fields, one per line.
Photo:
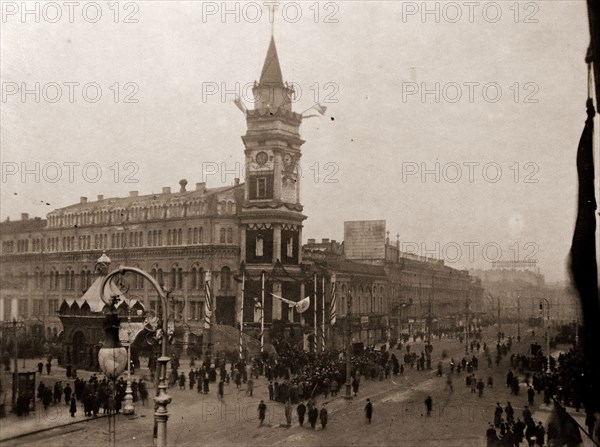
x=547 y=333
x=348 y=349
x=128 y=407
x=16 y=325
x=161 y=415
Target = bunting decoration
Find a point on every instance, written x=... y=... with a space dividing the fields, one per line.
x=208 y=304
x=333 y=303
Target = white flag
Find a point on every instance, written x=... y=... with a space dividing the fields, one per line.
x=302 y=305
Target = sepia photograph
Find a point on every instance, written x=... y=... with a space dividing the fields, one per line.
x=299 y=223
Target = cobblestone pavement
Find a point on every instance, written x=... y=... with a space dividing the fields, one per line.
x=459 y=418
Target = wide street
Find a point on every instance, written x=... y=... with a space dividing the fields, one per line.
x=459 y=418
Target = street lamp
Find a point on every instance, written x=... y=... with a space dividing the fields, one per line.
x=348 y=349
x=161 y=415
x=128 y=407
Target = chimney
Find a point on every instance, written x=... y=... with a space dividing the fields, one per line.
x=182 y=185
x=100 y=197
x=236 y=181
x=311 y=241
x=166 y=190
x=83 y=200
x=24 y=216
x=133 y=193
x=325 y=241
x=201 y=186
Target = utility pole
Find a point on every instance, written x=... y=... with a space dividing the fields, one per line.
x=519 y=318
x=348 y=349
x=467 y=325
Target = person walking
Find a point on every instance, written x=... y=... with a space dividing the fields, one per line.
x=323 y=416
x=250 y=386
x=429 y=405
x=510 y=413
x=530 y=395
x=288 y=413
x=73 y=406
x=498 y=415
x=369 y=410
x=262 y=409
x=301 y=410
x=313 y=414
x=221 y=388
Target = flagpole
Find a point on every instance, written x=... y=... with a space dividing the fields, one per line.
x=323 y=314
x=262 y=313
x=242 y=315
x=315 y=312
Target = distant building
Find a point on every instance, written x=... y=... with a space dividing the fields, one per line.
x=393 y=290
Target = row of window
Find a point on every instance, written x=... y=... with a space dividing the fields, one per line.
x=172 y=279
x=117 y=240
x=120 y=215
x=40 y=308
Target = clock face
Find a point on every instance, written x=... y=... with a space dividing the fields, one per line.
x=261 y=158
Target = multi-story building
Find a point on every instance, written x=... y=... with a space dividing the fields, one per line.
x=177 y=235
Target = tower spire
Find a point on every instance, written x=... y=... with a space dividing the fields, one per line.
x=271 y=72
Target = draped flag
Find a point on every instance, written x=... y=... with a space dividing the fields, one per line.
x=303 y=305
x=240 y=104
x=583 y=249
x=207 y=302
x=333 y=303
x=562 y=428
x=300 y=306
x=207 y=305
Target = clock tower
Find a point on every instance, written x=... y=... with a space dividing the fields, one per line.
x=271 y=213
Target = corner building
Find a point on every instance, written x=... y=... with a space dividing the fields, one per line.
x=177 y=236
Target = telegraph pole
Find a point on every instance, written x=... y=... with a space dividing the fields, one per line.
x=348 y=349
x=519 y=318
x=467 y=325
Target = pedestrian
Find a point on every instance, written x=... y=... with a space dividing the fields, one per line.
x=250 y=386
x=288 y=413
x=491 y=436
x=67 y=392
x=143 y=391
x=49 y=366
x=369 y=410
x=182 y=381
x=221 y=388
x=73 y=407
x=301 y=410
x=498 y=415
x=313 y=414
x=355 y=386
x=530 y=395
x=262 y=408
x=429 y=405
x=271 y=390
x=540 y=434
x=323 y=416
x=40 y=367
x=510 y=413
x=480 y=387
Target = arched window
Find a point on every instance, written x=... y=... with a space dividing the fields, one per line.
x=195 y=240
x=193 y=278
x=225 y=278
x=201 y=278
x=180 y=238
x=173 y=283
x=168 y=237
x=229 y=236
x=180 y=278
x=222 y=235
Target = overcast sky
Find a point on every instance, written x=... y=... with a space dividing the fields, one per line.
x=512 y=90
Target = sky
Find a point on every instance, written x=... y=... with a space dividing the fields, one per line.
x=456 y=122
